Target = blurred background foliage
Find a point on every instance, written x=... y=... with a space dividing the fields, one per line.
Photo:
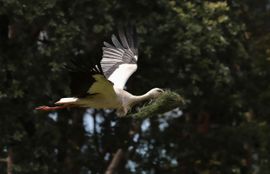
x=214 y=53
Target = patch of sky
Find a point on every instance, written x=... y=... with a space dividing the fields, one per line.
x=53 y=116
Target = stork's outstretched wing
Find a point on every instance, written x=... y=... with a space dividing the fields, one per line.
x=119 y=61
x=89 y=80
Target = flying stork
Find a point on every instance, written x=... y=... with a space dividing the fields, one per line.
x=102 y=85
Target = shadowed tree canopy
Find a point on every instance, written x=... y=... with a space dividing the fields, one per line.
x=215 y=54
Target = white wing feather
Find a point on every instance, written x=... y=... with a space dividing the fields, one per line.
x=119 y=61
x=120 y=76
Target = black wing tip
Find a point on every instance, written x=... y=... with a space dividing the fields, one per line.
x=129 y=33
x=127 y=39
x=79 y=64
x=97 y=69
x=82 y=79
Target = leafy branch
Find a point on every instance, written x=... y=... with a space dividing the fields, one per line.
x=168 y=101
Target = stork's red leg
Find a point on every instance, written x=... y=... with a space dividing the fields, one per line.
x=49 y=108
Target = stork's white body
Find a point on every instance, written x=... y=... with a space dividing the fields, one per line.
x=98 y=101
x=122 y=101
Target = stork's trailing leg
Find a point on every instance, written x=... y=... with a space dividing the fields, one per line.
x=53 y=108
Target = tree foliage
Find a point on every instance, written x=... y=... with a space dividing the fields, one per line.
x=213 y=53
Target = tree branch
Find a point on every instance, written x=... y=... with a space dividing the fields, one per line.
x=94 y=115
x=9 y=161
x=118 y=156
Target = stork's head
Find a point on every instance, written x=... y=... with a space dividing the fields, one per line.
x=155 y=92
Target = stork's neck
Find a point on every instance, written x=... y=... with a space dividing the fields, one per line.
x=128 y=100
x=139 y=98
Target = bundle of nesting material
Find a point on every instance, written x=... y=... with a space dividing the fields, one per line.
x=167 y=101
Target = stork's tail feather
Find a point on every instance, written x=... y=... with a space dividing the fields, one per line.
x=69 y=100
